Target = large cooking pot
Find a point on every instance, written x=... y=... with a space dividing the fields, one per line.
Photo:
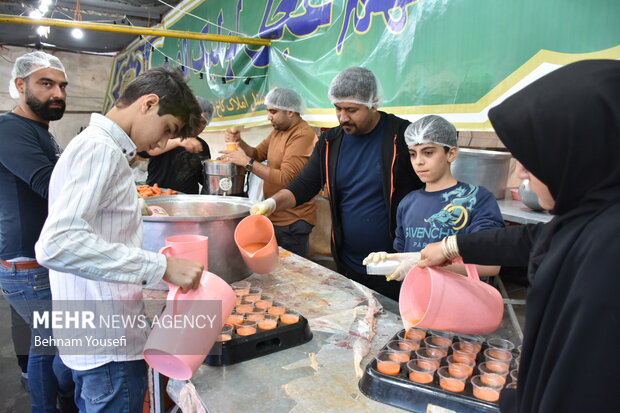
x=210 y=215
x=483 y=168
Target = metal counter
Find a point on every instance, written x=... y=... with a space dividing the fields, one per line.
x=516 y=211
x=349 y=323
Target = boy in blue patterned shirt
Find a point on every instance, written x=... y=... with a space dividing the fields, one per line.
x=444 y=206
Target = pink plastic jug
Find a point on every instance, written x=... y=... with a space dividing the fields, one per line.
x=256 y=240
x=177 y=350
x=442 y=300
x=191 y=247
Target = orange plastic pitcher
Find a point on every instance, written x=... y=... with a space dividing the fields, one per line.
x=188 y=327
x=191 y=247
x=257 y=243
x=442 y=300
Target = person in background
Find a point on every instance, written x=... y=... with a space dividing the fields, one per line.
x=564 y=129
x=365 y=164
x=286 y=150
x=92 y=238
x=29 y=153
x=444 y=206
x=178 y=165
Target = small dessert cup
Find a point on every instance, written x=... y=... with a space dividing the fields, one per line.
x=289 y=317
x=472 y=344
x=241 y=288
x=244 y=308
x=266 y=301
x=247 y=328
x=253 y=295
x=460 y=369
x=429 y=343
x=485 y=390
x=277 y=308
x=403 y=345
x=430 y=354
x=255 y=315
x=416 y=334
x=501 y=356
x=234 y=319
x=421 y=371
x=500 y=343
x=269 y=322
x=449 y=382
x=226 y=333
x=386 y=365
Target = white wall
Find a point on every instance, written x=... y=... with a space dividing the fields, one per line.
x=88 y=80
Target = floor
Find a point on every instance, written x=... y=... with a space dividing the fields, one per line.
x=14 y=399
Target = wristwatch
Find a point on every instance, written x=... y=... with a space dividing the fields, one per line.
x=249 y=165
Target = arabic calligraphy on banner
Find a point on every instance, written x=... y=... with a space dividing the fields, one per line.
x=431 y=56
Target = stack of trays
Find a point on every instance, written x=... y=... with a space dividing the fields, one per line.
x=419 y=368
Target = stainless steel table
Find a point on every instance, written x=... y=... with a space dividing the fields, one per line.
x=350 y=324
x=516 y=211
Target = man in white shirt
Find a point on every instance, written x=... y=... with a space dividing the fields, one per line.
x=92 y=238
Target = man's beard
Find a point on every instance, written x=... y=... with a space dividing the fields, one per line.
x=43 y=110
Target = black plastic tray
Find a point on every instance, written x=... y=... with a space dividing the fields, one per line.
x=242 y=348
x=401 y=392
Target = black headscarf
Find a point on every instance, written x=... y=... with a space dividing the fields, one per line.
x=565 y=129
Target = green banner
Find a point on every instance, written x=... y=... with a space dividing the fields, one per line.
x=452 y=57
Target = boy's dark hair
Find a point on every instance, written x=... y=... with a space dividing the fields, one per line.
x=175 y=97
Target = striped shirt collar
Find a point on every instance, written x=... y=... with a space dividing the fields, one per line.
x=117 y=134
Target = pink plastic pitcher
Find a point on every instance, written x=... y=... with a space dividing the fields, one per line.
x=178 y=351
x=191 y=247
x=442 y=300
x=257 y=243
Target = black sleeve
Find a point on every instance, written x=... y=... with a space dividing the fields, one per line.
x=144 y=155
x=23 y=155
x=503 y=246
x=206 y=152
x=308 y=183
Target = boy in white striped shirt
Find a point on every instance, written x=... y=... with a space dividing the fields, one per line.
x=92 y=239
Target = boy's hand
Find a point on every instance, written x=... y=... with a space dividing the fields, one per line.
x=404 y=263
x=407 y=262
x=184 y=273
x=432 y=256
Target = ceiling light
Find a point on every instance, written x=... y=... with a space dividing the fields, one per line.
x=43 y=8
x=35 y=14
x=46 y=2
x=43 y=31
x=77 y=33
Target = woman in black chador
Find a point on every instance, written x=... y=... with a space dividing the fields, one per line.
x=565 y=131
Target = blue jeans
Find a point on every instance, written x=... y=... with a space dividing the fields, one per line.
x=114 y=387
x=28 y=291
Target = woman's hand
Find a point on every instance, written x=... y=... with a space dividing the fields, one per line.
x=432 y=256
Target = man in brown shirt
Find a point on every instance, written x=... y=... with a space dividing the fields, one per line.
x=287 y=150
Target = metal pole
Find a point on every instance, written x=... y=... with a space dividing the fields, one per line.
x=145 y=31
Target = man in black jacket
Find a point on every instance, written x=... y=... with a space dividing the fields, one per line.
x=365 y=165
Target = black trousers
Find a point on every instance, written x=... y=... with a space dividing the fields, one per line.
x=294 y=237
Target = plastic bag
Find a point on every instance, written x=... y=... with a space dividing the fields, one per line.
x=184 y=395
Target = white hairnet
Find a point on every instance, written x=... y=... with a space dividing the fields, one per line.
x=284 y=99
x=355 y=85
x=431 y=129
x=206 y=108
x=28 y=64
